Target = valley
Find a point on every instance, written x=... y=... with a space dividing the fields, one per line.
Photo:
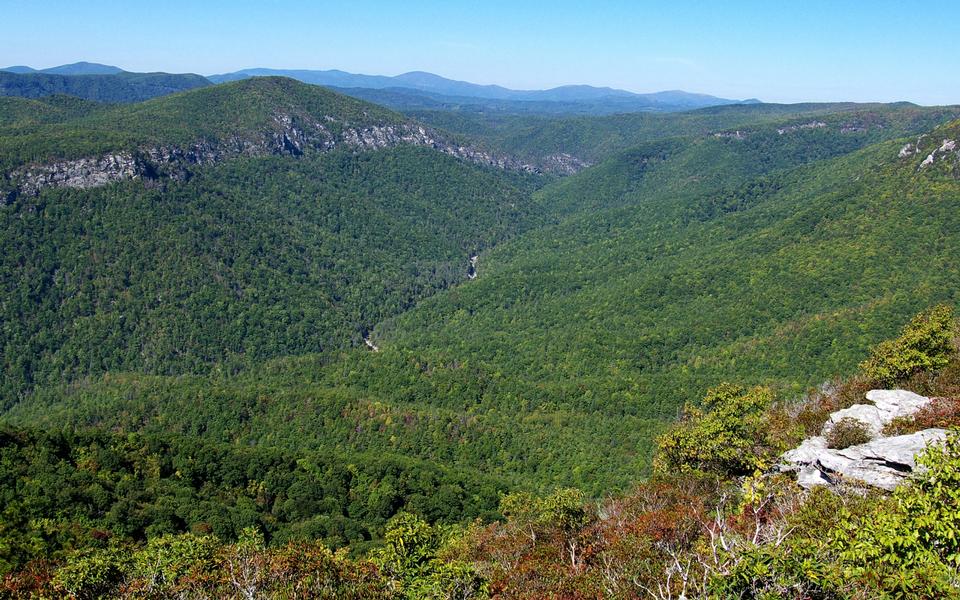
x=575 y=320
x=262 y=307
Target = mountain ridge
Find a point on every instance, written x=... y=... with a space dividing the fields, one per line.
x=258 y=116
x=431 y=83
x=414 y=87
x=117 y=87
x=77 y=68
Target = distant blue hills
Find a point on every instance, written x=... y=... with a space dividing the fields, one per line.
x=92 y=81
x=436 y=86
x=78 y=68
x=416 y=90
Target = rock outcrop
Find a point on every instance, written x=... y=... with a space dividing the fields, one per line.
x=883 y=462
x=943 y=152
x=286 y=136
x=563 y=164
x=472 y=269
x=887 y=406
x=733 y=135
x=802 y=126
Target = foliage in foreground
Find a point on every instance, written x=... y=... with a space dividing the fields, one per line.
x=192 y=566
x=725 y=435
x=925 y=344
x=704 y=527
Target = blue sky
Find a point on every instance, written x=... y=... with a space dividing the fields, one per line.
x=775 y=50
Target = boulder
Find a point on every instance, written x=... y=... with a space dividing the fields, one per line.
x=803 y=455
x=882 y=463
x=887 y=406
x=811 y=476
x=897 y=403
x=867 y=414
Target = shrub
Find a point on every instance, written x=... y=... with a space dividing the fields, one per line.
x=847 y=432
x=419 y=559
x=168 y=558
x=943 y=413
x=726 y=435
x=410 y=544
x=94 y=573
x=909 y=546
x=925 y=344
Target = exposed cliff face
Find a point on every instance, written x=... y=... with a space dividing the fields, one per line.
x=82 y=173
x=563 y=164
x=287 y=136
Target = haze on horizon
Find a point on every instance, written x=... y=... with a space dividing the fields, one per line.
x=812 y=51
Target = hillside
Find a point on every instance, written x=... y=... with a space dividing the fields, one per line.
x=168 y=137
x=663 y=283
x=145 y=486
x=775 y=255
x=591 y=139
x=248 y=109
x=195 y=260
x=103 y=87
x=50 y=109
x=99 y=515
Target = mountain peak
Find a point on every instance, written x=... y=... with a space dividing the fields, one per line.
x=19 y=69
x=83 y=68
x=77 y=68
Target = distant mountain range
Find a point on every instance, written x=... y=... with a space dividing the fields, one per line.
x=114 y=88
x=78 y=68
x=416 y=90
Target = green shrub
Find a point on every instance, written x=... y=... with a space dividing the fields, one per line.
x=167 y=558
x=411 y=556
x=847 y=432
x=909 y=546
x=925 y=344
x=726 y=435
x=93 y=573
x=411 y=543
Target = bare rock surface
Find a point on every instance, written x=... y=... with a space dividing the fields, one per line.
x=887 y=406
x=883 y=462
x=286 y=136
x=943 y=152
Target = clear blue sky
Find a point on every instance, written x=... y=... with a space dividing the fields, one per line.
x=776 y=50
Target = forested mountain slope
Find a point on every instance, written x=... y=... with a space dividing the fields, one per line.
x=100 y=515
x=592 y=139
x=170 y=138
x=776 y=254
x=280 y=250
x=50 y=109
x=89 y=483
x=105 y=87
